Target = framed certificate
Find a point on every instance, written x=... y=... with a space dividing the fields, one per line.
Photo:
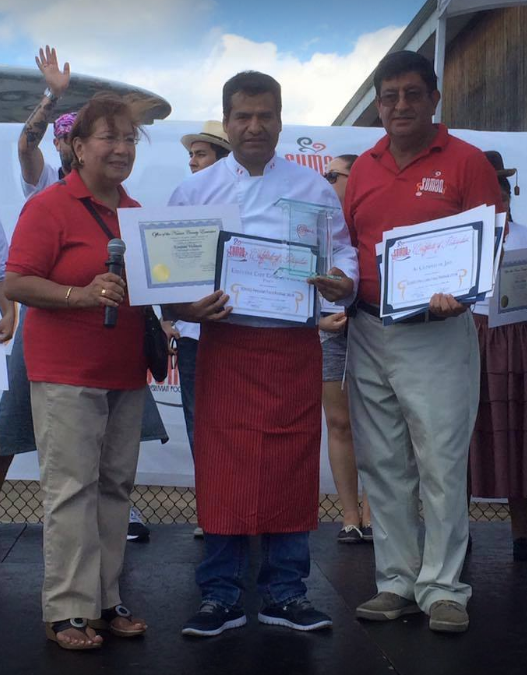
x=418 y=265
x=267 y=278
x=509 y=302
x=171 y=252
x=180 y=253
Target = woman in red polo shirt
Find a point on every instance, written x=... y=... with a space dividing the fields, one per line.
x=87 y=381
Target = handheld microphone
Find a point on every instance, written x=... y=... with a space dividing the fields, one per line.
x=115 y=264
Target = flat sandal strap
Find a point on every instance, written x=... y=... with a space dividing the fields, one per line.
x=119 y=611
x=78 y=624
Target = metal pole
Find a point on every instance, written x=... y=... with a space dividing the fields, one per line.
x=439 y=60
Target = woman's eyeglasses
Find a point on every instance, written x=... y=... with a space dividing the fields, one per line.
x=333 y=176
x=111 y=140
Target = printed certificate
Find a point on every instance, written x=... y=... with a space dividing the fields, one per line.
x=180 y=253
x=267 y=278
x=509 y=302
x=171 y=252
x=439 y=261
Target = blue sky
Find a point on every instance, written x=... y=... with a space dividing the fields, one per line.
x=185 y=49
x=324 y=25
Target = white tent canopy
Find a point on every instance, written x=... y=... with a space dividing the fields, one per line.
x=448 y=8
x=456 y=7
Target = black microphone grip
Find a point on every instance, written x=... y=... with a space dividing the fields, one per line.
x=116 y=266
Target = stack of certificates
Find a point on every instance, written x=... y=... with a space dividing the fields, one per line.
x=458 y=255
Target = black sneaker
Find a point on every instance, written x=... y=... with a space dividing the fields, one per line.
x=349 y=534
x=367 y=533
x=298 y=614
x=212 y=619
x=137 y=530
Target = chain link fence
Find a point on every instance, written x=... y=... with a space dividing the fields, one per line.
x=20 y=501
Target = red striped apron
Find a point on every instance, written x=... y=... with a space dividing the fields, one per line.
x=257 y=429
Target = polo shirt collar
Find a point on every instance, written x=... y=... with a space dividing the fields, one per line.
x=239 y=170
x=77 y=188
x=439 y=142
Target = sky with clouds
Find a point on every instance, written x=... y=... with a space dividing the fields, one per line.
x=185 y=50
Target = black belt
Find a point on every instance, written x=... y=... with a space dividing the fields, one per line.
x=373 y=310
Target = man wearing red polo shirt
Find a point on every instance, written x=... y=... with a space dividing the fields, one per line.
x=414 y=386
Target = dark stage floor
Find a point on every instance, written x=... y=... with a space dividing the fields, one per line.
x=159 y=584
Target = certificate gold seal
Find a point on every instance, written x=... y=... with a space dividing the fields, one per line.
x=161 y=272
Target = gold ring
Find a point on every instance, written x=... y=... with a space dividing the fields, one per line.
x=103 y=292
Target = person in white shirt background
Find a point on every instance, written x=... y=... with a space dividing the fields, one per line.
x=204 y=149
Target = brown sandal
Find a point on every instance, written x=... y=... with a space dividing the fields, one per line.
x=55 y=627
x=117 y=612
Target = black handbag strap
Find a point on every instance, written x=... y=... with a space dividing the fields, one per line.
x=91 y=208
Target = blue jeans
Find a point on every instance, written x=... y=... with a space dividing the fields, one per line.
x=285 y=563
x=187 y=349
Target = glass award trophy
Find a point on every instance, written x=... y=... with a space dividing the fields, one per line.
x=307 y=224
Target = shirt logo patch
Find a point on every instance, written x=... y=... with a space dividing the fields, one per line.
x=431 y=185
x=400 y=252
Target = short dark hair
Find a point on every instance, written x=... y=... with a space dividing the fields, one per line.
x=251 y=83
x=219 y=151
x=400 y=63
x=105 y=106
x=347 y=159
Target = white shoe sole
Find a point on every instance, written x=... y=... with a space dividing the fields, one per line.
x=377 y=615
x=234 y=623
x=447 y=626
x=275 y=621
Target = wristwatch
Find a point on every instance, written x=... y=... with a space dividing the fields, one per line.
x=49 y=94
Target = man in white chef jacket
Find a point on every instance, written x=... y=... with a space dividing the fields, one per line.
x=258 y=385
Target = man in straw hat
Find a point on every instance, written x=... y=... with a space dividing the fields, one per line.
x=204 y=149
x=207 y=147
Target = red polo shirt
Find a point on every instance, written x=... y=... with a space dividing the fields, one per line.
x=56 y=238
x=448 y=177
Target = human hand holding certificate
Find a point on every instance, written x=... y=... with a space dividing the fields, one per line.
x=453 y=256
x=420 y=265
x=266 y=278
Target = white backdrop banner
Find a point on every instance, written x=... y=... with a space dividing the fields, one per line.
x=161 y=164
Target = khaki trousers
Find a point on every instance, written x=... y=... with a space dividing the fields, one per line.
x=414 y=392
x=88 y=445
